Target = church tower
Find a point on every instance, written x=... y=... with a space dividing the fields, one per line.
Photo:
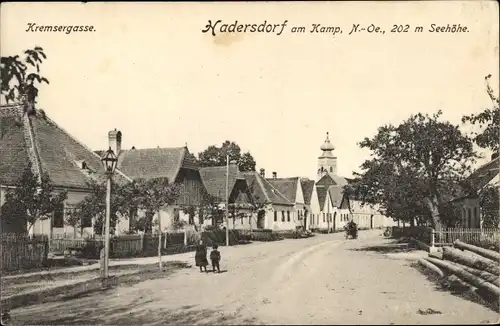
x=327 y=162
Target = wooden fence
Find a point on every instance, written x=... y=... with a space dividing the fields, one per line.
x=21 y=252
x=120 y=246
x=477 y=237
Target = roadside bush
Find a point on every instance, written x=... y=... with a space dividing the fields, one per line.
x=264 y=235
x=219 y=237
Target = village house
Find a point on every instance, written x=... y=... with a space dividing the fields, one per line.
x=311 y=202
x=291 y=188
x=324 y=220
x=37 y=140
x=276 y=211
x=468 y=205
x=342 y=213
x=241 y=214
x=176 y=164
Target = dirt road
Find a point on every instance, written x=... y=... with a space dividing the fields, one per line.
x=320 y=280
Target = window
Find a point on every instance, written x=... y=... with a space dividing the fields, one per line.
x=59 y=216
x=335 y=215
x=324 y=215
x=275 y=216
x=317 y=219
x=331 y=169
x=176 y=215
x=282 y=216
x=469 y=217
x=288 y=216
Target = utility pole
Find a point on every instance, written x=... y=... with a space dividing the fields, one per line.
x=227 y=200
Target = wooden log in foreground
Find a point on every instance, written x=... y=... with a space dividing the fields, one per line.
x=431 y=266
x=466 y=276
x=437 y=255
x=471 y=260
x=490 y=254
x=493 y=279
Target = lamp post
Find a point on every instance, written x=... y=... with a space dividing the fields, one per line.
x=109 y=161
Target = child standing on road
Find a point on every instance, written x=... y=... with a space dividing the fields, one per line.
x=215 y=258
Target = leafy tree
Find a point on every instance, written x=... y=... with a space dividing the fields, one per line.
x=35 y=199
x=210 y=209
x=490 y=203
x=415 y=167
x=216 y=156
x=20 y=76
x=488 y=121
x=94 y=206
x=154 y=195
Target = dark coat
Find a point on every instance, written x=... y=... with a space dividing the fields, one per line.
x=201 y=256
x=215 y=256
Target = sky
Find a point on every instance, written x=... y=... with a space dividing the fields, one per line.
x=148 y=70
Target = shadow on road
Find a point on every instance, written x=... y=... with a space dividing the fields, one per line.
x=99 y=307
x=142 y=311
x=395 y=246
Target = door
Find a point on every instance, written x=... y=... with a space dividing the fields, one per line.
x=261 y=219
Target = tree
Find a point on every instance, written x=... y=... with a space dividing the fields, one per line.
x=35 y=198
x=489 y=122
x=210 y=209
x=94 y=206
x=415 y=167
x=489 y=203
x=216 y=156
x=20 y=76
x=154 y=195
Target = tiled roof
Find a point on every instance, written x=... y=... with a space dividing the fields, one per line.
x=321 y=191
x=337 y=180
x=307 y=190
x=56 y=152
x=263 y=191
x=484 y=174
x=13 y=150
x=287 y=186
x=214 y=179
x=336 y=193
x=153 y=163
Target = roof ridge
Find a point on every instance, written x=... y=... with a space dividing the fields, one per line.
x=82 y=144
x=152 y=148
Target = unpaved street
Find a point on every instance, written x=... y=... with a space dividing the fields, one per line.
x=320 y=280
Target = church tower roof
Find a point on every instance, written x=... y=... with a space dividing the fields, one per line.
x=327 y=145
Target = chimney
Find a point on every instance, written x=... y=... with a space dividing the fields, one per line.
x=275 y=175
x=263 y=173
x=115 y=141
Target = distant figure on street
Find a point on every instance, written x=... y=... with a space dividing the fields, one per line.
x=215 y=258
x=201 y=256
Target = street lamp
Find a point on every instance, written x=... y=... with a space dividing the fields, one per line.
x=109 y=160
